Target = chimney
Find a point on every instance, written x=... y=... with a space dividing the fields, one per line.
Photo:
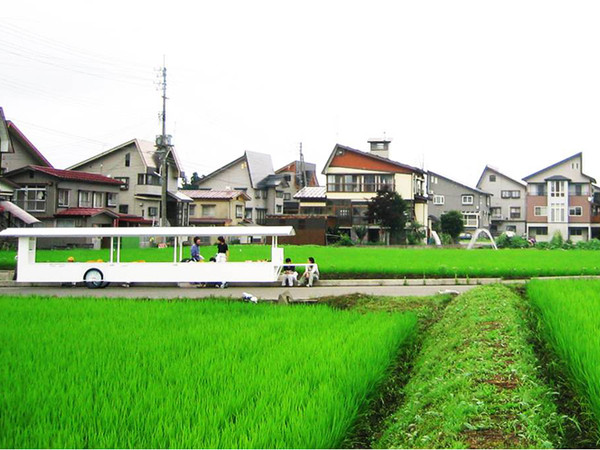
x=380 y=147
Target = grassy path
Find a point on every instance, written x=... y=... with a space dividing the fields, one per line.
x=475 y=382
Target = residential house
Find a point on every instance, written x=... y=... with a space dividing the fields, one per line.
x=312 y=200
x=354 y=177
x=507 y=209
x=253 y=174
x=446 y=195
x=562 y=199
x=66 y=198
x=16 y=150
x=136 y=163
x=298 y=175
x=222 y=208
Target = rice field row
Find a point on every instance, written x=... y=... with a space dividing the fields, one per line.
x=569 y=312
x=85 y=373
x=378 y=262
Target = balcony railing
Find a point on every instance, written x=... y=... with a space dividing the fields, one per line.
x=359 y=187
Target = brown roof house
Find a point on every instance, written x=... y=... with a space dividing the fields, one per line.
x=66 y=198
x=298 y=175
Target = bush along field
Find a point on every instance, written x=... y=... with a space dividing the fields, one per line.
x=374 y=262
x=568 y=313
x=475 y=383
x=89 y=373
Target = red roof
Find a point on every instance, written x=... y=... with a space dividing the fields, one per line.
x=87 y=212
x=132 y=218
x=75 y=175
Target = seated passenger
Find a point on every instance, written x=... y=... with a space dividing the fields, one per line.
x=290 y=276
x=311 y=274
x=195 y=250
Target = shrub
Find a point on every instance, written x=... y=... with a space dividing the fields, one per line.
x=592 y=244
x=557 y=240
x=361 y=232
x=344 y=241
x=505 y=241
x=542 y=245
x=446 y=239
x=452 y=224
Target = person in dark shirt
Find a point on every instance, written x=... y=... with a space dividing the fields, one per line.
x=290 y=276
x=222 y=250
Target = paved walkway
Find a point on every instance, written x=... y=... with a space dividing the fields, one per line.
x=262 y=293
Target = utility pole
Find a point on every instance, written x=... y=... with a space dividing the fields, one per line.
x=302 y=168
x=163 y=149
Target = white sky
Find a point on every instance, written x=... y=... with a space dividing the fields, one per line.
x=456 y=84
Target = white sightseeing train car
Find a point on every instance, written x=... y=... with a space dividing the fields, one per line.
x=98 y=274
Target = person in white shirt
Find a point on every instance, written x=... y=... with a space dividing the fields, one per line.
x=290 y=276
x=311 y=274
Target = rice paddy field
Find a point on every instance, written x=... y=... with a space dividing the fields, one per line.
x=84 y=373
x=569 y=314
x=377 y=262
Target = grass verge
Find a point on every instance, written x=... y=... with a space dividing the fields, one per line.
x=475 y=382
x=372 y=419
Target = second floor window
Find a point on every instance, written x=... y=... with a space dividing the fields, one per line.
x=496 y=211
x=287 y=196
x=192 y=210
x=123 y=209
x=98 y=200
x=576 y=211
x=209 y=210
x=515 y=212
x=31 y=198
x=540 y=211
x=150 y=179
x=111 y=199
x=85 y=199
x=359 y=183
x=557 y=189
x=239 y=212
x=467 y=199
x=127 y=160
x=63 y=198
x=438 y=200
x=125 y=181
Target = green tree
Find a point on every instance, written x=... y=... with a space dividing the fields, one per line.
x=415 y=233
x=452 y=224
x=389 y=210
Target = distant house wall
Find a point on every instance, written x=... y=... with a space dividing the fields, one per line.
x=501 y=206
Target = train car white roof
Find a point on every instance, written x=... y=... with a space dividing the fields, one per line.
x=147 y=231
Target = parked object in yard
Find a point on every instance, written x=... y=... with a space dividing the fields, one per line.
x=97 y=274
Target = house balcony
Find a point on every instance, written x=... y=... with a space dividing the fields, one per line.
x=147 y=189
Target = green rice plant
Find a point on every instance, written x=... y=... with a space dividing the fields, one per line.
x=106 y=373
x=569 y=311
x=375 y=262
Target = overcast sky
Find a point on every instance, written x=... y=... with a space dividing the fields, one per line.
x=456 y=85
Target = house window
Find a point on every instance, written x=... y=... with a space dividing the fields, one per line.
x=279 y=209
x=85 y=199
x=538 y=189
x=287 y=178
x=152 y=211
x=257 y=194
x=433 y=179
x=98 y=199
x=492 y=178
x=63 y=198
x=470 y=218
x=540 y=211
x=125 y=181
x=538 y=231
x=248 y=214
x=438 y=200
x=127 y=159
x=343 y=212
x=467 y=199
x=557 y=189
x=31 y=198
x=149 y=179
x=515 y=212
x=124 y=209
x=239 y=211
x=279 y=194
x=578 y=189
x=576 y=211
x=496 y=211
x=515 y=194
x=192 y=210
x=557 y=212
x=287 y=196
x=111 y=199
x=209 y=210
x=575 y=231
x=261 y=216
x=359 y=183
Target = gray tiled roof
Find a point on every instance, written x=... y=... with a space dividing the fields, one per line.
x=260 y=167
x=311 y=192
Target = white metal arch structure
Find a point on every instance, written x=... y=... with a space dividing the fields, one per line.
x=98 y=273
x=476 y=236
